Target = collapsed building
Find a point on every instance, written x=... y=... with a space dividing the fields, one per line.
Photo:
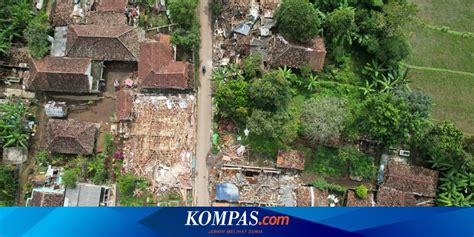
x=247 y=27
x=160 y=144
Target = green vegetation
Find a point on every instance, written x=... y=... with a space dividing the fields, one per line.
x=361 y=191
x=36 y=35
x=128 y=185
x=183 y=13
x=70 y=177
x=18 y=23
x=14 y=130
x=322 y=184
x=298 y=20
x=8 y=186
x=442 y=60
x=324 y=121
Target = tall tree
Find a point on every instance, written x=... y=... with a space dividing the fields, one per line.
x=323 y=121
x=443 y=146
x=36 y=35
x=232 y=99
x=298 y=20
x=270 y=92
x=341 y=25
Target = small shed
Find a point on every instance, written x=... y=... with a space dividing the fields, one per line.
x=56 y=109
x=227 y=192
x=15 y=155
x=291 y=160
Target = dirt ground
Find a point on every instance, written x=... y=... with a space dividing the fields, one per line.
x=102 y=110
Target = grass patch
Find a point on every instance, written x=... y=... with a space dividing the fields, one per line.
x=456 y=14
x=326 y=162
x=432 y=48
x=452 y=95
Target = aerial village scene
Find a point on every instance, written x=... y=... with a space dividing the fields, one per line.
x=236 y=103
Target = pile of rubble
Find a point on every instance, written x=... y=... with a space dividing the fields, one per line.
x=160 y=145
x=260 y=186
x=243 y=27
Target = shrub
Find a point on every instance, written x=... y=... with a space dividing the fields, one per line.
x=70 y=178
x=321 y=183
x=361 y=191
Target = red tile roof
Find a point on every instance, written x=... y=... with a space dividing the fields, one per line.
x=124 y=105
x=354 y=201
x=158 y=70
x=103 y=42
x=61 y=12
x=297 y=56
x=71 y=136
x=46 y=199
x=112 y=5
x=291 y=160
x=60 y=74
x=303 y=197
x=410 y=178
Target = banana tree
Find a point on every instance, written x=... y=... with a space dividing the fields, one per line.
x=312 y=83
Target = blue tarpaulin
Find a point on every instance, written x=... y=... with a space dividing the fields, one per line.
x=227 y=192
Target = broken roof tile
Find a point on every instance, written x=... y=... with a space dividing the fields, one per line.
x=291 y=160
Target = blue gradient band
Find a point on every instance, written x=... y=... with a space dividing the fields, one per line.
x=341 y=222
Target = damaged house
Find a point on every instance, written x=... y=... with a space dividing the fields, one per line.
x=104 y=43
x=407 y=185
x=291 y=160
x=71 y=137
x=64 y=75
x=311 y=197
x=124 y=104
x=297 y=56
x=157 y=68
x=46 y=198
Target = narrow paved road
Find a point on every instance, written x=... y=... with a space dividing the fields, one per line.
x=204 y=109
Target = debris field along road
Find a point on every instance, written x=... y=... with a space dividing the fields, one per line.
x=204 y=109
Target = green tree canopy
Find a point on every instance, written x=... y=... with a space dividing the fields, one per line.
x=70 y=177
x=232 y=99
x=323 y=120
x=36 y=35
x=388 y=120
x=270 y=92
x=278 y=125
x=298 y=20
x=443 y=146
x=183 y=12
x=341 y=25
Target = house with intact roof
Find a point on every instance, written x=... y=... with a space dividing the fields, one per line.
x=64 y=75
x=157 y=68
x=71 y=137
x=104 y=43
